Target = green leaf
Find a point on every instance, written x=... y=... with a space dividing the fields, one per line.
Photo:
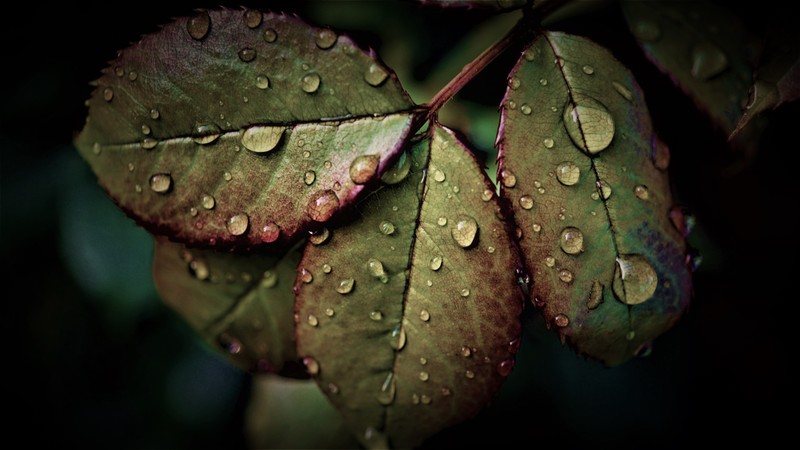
x=703 y=47
x=242 y=305
x=408 y=318
x=586 y=177
x=236 y=128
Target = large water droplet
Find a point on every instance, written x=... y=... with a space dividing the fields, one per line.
x=375 y=75
x=438 y=176
x=325 y=39
x=641 y=192
x=207 y=202
x=509 y=179
x=398 y=340
x=309 y=177
x=312 y=320
x=161 y=183
x=261 y=139
x=635 y=280
x=238 y=224
x=270 y=35
x=262 y=81
x=386 y=228
x=526 y=202
x=525 y=109
x=561 y=320
x=595 y=295
x=252 y=18
x=464 y=230
x=375 y=268
x=441 y=221
x=322 y=205
x=205 y=134
x=310 y=82
x=436 y=263
x=568 y=173
x=571 y=241
x=588 y=123
x=646 y=30
x=363 y=168
x=345 y=286
x=707 y=60
x=312 y=366
x=399 y=171
x=505 y=367
x=513 y=83
x=198 y=25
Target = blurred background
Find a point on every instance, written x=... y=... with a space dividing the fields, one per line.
x=97 y=360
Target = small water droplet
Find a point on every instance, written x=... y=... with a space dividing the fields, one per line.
x=561 y=320
x=423 y=376
x=525 y=109
x=646 y=30
x=532 y=53
x=604 y=188
x=376 y=315
x=269 y=279
x=161 y=183
x=309 y=177
x=205 y=134
x=261 y=139
x=464 y=230
x=513 y=346
x=504 y=368
x=635 y=280
x=325 y=39
x=549 y=261
x=329 y=312
x=543 y=82
x=490 y=249
x=310 y=82
x=425 y=399
x=193 y=211
x=108 y=94
x=661 y=154
x=595 y=295
x=588 y=124
x=466 y=352
x=588 y=70
x=423 y=361
x=131 y=167
x=398 y=340
x=345 y=286
x=247 y=54
x=548 y=143
x=119 y=71
x=145 y=129
x=333 y=389
x=238 y=224
x=509 y=179
x=630 y=335
x=306 y=276
x=270 y=35
x=322 y=205
x=312 y=366
x=436 y=263
x=429 y=283
x=399 y=171
x=469 y=374
x=230 y=344
x=424 y=315
x=441 y=221
x=199 y=269
x=262 y=81
x=537 y=228
x=363 y=168
x=198 y=25
x=567 y=173
x=465 y=292
x=438 y=175
x=511 y=104
x=707 y=60
x=133 y=75
x=252 y=18
x=641 y=192
x=571 y=241
x=513 y=83
x=565 y=276
x=227 y=176
x=207 y=202
x=386 y=228
x=623 y=91
x=375 y=75
x=487 y=195
x=138 y=188
x=312 y=320
x=154 y=114
x=320 y=236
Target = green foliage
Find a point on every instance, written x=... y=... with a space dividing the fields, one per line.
x=241 y=139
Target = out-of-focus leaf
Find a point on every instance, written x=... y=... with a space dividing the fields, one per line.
x=501 y=5
x=241 y=304
x=703 y=47
x=408 y=318
x=586 y=176
x=236 y=128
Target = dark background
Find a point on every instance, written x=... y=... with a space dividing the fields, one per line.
x=96 y=360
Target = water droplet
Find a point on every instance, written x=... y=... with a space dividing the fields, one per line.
x=565 y=276
x=309 y=177
x=567 y=173
x=252 y=18
x=119 y=71
x=465 y=292
x=154 y=114
x=375 y=268
x=571 y=241
x=511 y=104
x=423 y=361
x=707 y=61
x=414 y=399
x=532 y=53
x=108 y=94
x=322 y=205
x=193 y=211
x=247 y=54
x=269 y=279
x=262 y=82
x=641 y=192
x=513 y=83
x=133 y=75
x=161 y=183
x=145 y=129
x=423 y=376
x=588 y=123
x=131 y=167
x=635 y=280
x=399 y=171
x=549 y=261
x=325 y=39
x=543 y=82
x=319 y=237
x=604 y=188
x=561 y=320
x=375 y=75
x=310 y=82
x=398 y=340
x=205 y=134
x=386 y=228
x=526 y=202
x=312 y=320
x=537 y=228
x=487 y=195
x=631 y=335
x=588 y=70
x=312 y=366
x=548 y=143
x=464 y=230
x=207 y=202
x=306 y=276
x=198 y=25
x=525 y=109
x=230 y=344
x=138 y=188
x=329 y=312
x=504 y=368
x=661 y=154
x=376 y=315
x=438 y=175
x=623 y=91
x=261 y=139
x=509 y=179
x=469 y=374
x=424 y=315
x=425 y=399
x=441 y=221
x=513 y=346
x=646 y=30
x=363 y=168
x=227 y=176
x=238 y=224
x=270 y=35
x=199 y=269
x=595 y=295
x=375 y=439
x=436 y=263
x=345 y=286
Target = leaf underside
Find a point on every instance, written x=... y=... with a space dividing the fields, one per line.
x=586 y=177
x=408 y=317
x=242 y=305
x=235 y=129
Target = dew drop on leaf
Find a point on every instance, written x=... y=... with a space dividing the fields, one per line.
x=399 y=171
x=326 y=268
x=262 y=139
x=108 y=94
x=312 y=366
x=588 y=70
x=154 y=114
x=269 y=279
x=309 y=177
x=423 y=376
x=247 y=54
x=641 y=192
x=375 y=75
x=252 y=18
x=567 y=173
x=588 y=124
x=604 y=188
x=424 y=315
x=329 y=312
x=505 y=367
x=464 y=230
x=198 y=25
x=207 y=201
x=262 y=82
x=469 y=374
x=322 y=205
x=623 y=91
x=312 y=320
x=345 y=286
x=561 y=320
x=635 y=280
x=548 y=143
x=387 y=392
x=325 y=39
x=376 y=315
x=237 y=225
x=565 y=276
x=595 y=295
x=306 y=276
x=707 y=61
x=363 y=168
x=319 y=237
x=398 y=338
x=525 y=109
x=376 y=270
x=199 y=269
x=310 y=82
x=205 y=134
x=161 y=183
x=386 y=228
x=436 y=263
x=526 y=202
x=270 y=35
x=145 y=129
x=571 y=241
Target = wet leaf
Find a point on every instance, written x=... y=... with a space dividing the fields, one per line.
x=703 y=47
x=586 y=177
x=235 y=129
x=501 y=5
x=412 y=311
x=242 y=305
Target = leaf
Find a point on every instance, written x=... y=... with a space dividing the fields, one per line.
x=242 y=305
x=500 y=5
x=703 y=47
x=408 y=318
x=586 y=177
x=235 y=129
